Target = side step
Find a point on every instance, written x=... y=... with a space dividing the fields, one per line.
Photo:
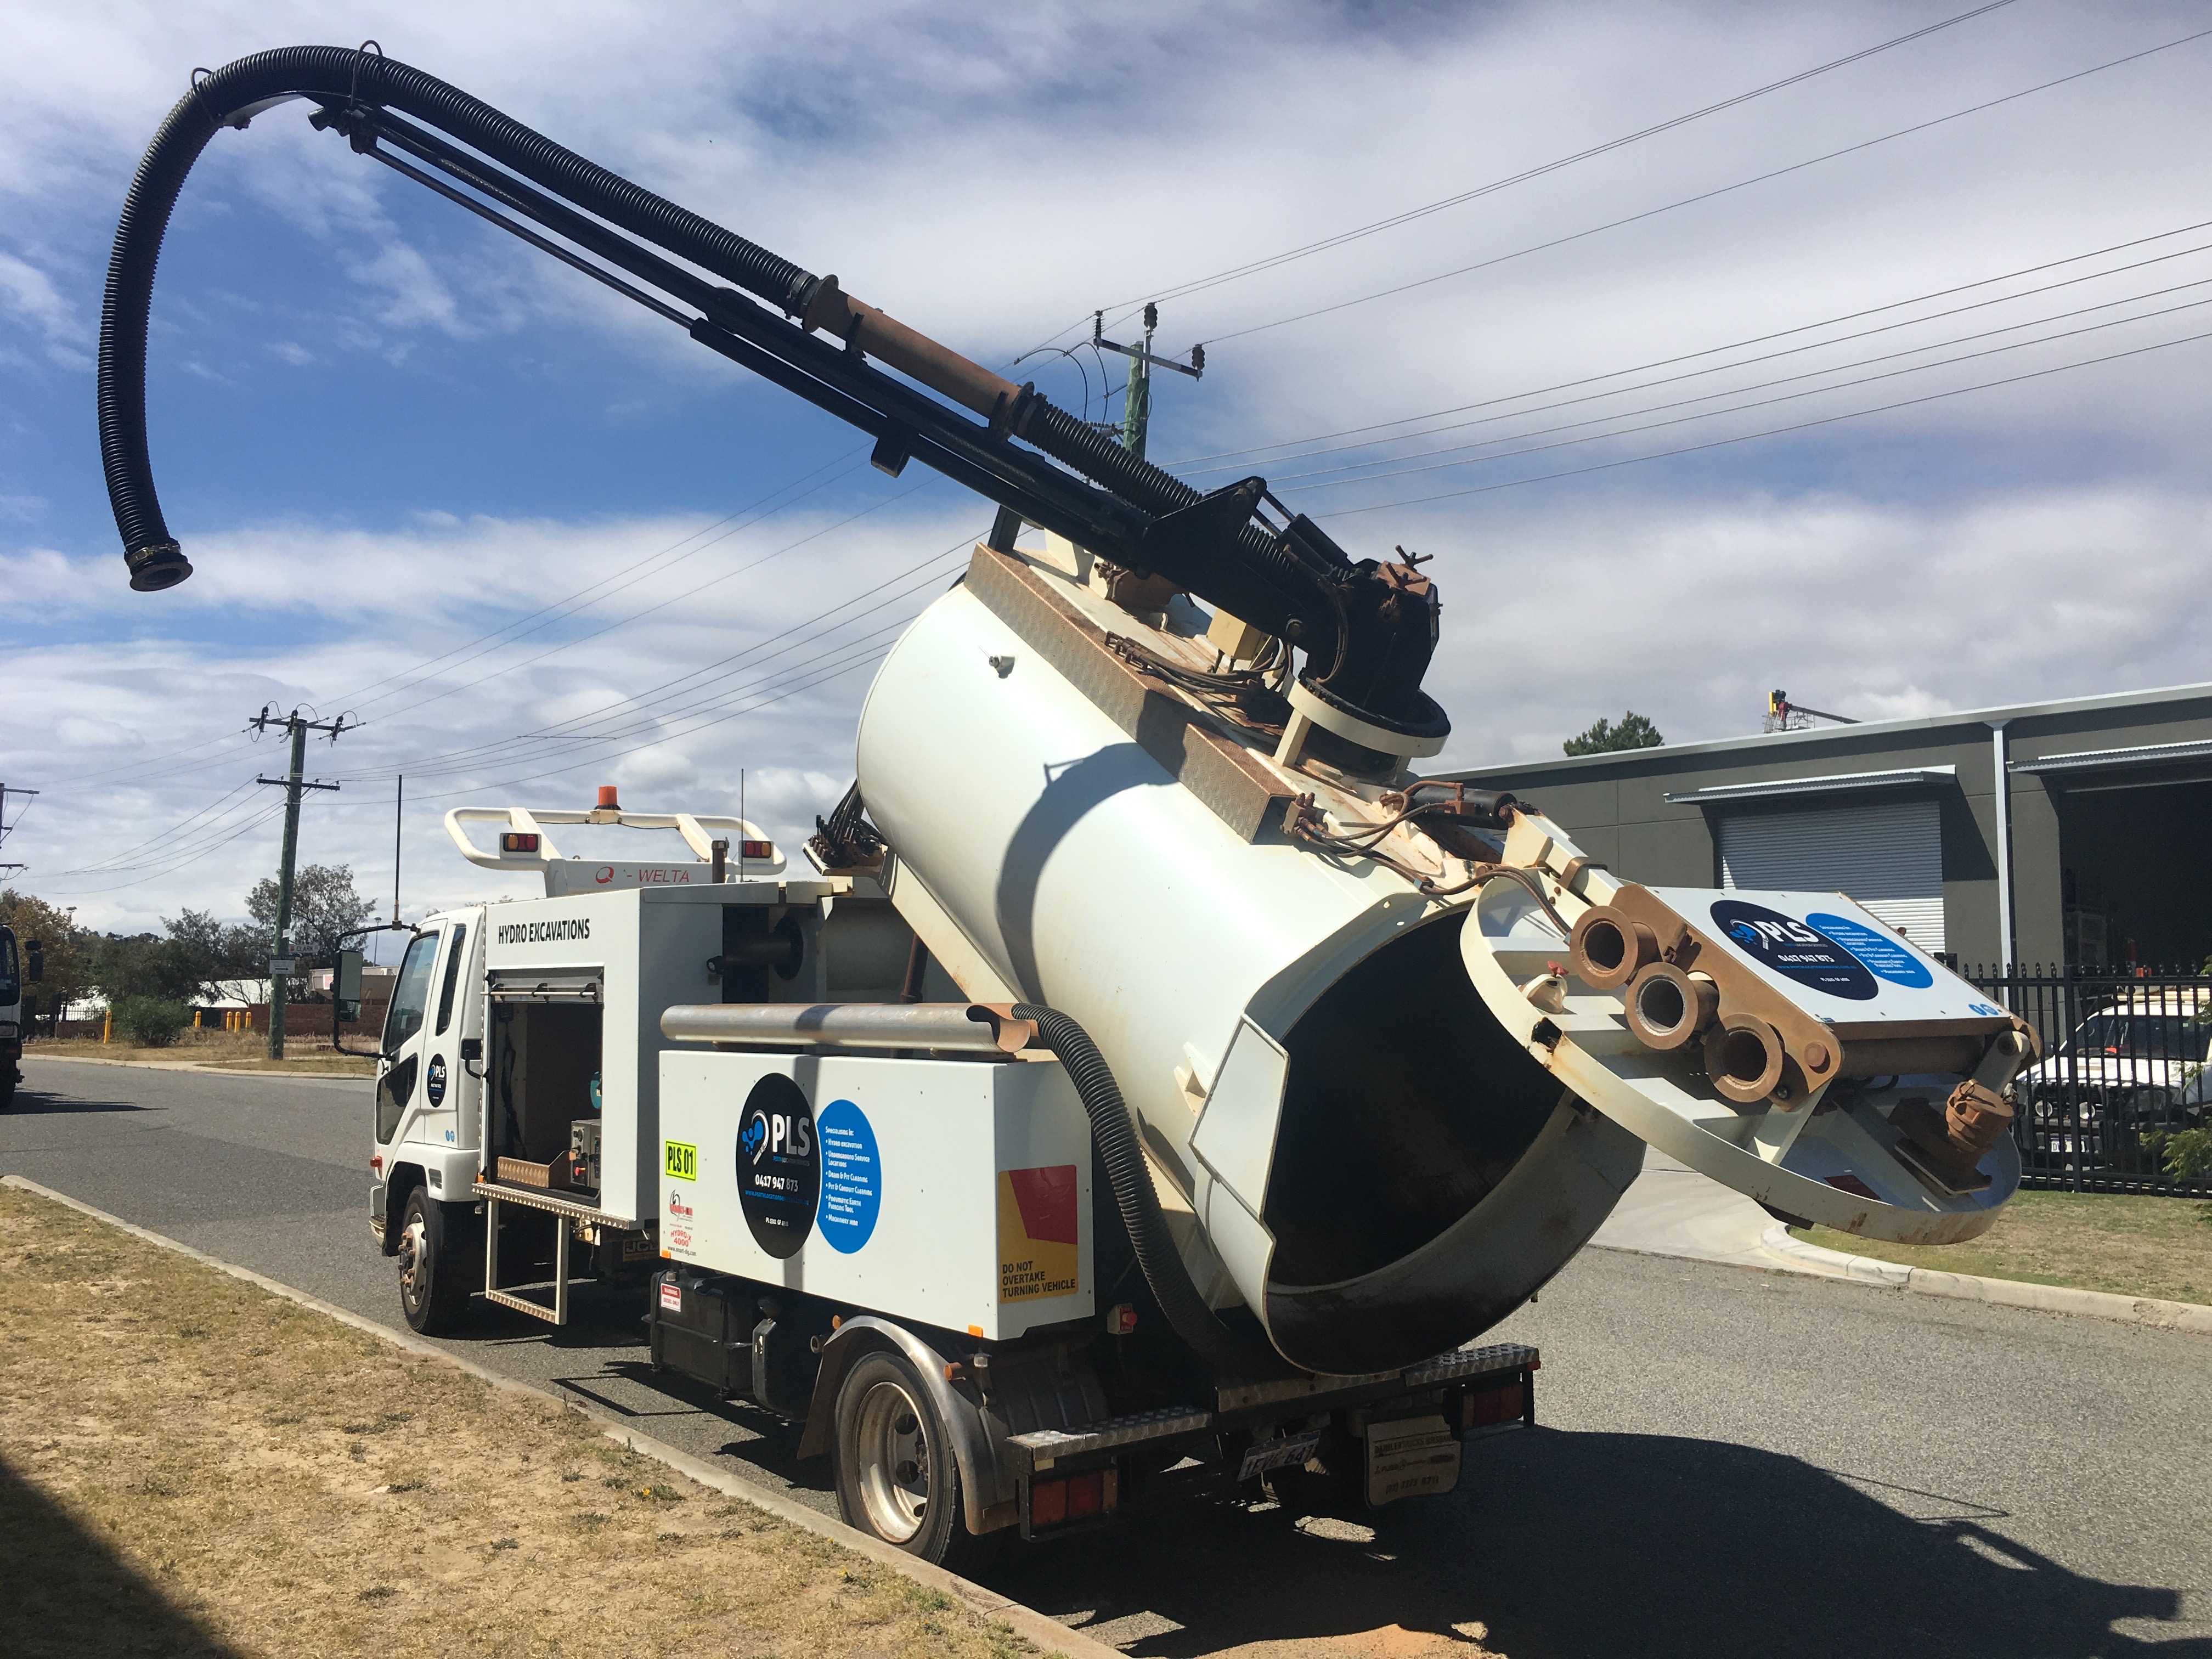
x=570 y=1210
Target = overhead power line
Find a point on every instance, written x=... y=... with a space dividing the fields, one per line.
x=1769 y=432
x=1702 y=196
x=1359 y=233
x=1296 y=480
x=1189 y=467
x=924 y=573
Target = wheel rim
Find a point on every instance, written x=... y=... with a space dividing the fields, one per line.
x=414 y=1260
x=894 y=1459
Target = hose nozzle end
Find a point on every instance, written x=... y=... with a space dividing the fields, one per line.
x=156 y=566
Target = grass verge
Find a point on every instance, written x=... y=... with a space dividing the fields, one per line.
x=2128 y=1246
x=223 y=1051
x=190 y=1465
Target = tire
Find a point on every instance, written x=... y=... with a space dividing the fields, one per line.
x=438 y=1265
x=897 y=1476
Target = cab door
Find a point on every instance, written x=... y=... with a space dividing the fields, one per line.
x=446 y=1090
x=399 y=1066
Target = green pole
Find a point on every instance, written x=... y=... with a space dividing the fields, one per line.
x=284 y=881
x=1137 y=401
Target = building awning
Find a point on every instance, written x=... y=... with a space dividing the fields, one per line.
x=2091 y=760
x=1834 y=784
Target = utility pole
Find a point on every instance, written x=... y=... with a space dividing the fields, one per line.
x=1137 y=400
x=6 y=790
x=279 y=952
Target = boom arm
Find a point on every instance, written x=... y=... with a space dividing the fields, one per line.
x=1367 y=629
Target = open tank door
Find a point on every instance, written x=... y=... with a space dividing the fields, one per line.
x=1789 y=1045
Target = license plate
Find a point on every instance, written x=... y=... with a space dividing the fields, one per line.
x=1278 y=1454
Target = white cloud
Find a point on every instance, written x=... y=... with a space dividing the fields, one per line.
x=992 y=178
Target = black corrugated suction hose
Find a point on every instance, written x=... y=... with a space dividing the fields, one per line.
x=1115 y=1132
x=242 y=89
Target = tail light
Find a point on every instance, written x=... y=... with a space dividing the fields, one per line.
x=1484 y=1408
x=1073 y=1497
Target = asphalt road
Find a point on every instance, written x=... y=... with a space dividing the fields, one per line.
x=1733 y=1462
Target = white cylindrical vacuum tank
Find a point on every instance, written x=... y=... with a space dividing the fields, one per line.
x=1381 y=1169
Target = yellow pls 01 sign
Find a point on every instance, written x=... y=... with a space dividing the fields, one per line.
x=680 y=1159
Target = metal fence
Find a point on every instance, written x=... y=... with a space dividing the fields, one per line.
x=2124 y=1063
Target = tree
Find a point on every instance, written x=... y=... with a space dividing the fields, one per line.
x=193 y=959
x=325 y=906
x=67 y=952
x=1634 y=731
x=218 y=958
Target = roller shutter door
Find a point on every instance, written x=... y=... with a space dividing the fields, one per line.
x=1888 y=856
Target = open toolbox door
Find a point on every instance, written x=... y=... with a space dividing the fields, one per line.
x=1789 y=1045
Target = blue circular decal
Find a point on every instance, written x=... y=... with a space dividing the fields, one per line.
x=1888 y=957
x=1794 y=949
x=851 y=1177
x=434 y=1086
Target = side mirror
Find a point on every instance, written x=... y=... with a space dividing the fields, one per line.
x=472 y=1049
x=34 y=960
x=345 y=985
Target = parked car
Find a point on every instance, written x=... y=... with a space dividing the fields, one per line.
x=2137 y=1068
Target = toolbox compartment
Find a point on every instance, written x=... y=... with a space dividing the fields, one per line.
x=702 y=1325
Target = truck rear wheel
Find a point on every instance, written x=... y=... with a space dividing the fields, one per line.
x=897 y=1477
x=436 y=1264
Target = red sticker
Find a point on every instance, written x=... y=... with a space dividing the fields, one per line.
x=1047 y=1198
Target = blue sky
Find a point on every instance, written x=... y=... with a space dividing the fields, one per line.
x=385 y=432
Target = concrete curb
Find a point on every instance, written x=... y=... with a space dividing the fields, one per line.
x=1048 y=1634
x=1796 y=1253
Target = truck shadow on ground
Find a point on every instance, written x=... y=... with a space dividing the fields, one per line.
x=1562 y=1544
x=32 y=1103
x=66 y=1592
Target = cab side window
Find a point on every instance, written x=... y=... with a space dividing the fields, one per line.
x=411 y=995
x=455 y=952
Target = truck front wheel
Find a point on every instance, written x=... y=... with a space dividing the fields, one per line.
x=897 y=1478
x=436 y=1264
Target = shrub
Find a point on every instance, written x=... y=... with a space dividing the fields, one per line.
x=149 y=1022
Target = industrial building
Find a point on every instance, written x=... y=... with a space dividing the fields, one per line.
x=2077 y=832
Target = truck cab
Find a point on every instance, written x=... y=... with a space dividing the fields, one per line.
x=15 y=967
x=425 y=1131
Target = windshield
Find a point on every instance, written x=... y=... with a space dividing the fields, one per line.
x=2139 y=1037
x=11 y=985
x=412 y=995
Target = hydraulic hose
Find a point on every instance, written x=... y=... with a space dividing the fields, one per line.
x=1367 y=631
x=1115 y=1132
x=231 y=96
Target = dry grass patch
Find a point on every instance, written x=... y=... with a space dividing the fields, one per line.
x=190 y=1465
x=229 y=1051
x=2128 y=1246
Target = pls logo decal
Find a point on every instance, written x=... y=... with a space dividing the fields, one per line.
x=779 y=1165
x=1794 y=949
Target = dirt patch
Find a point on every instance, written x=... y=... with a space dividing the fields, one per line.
x=190 y=1465
x=2154 y=1247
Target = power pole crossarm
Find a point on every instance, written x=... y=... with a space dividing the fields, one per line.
x=1137 y=401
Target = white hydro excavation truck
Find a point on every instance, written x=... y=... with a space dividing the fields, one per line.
x=1149 y=1080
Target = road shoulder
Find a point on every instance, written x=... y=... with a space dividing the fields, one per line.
x=1796 y=1256
x=1031 y=1625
